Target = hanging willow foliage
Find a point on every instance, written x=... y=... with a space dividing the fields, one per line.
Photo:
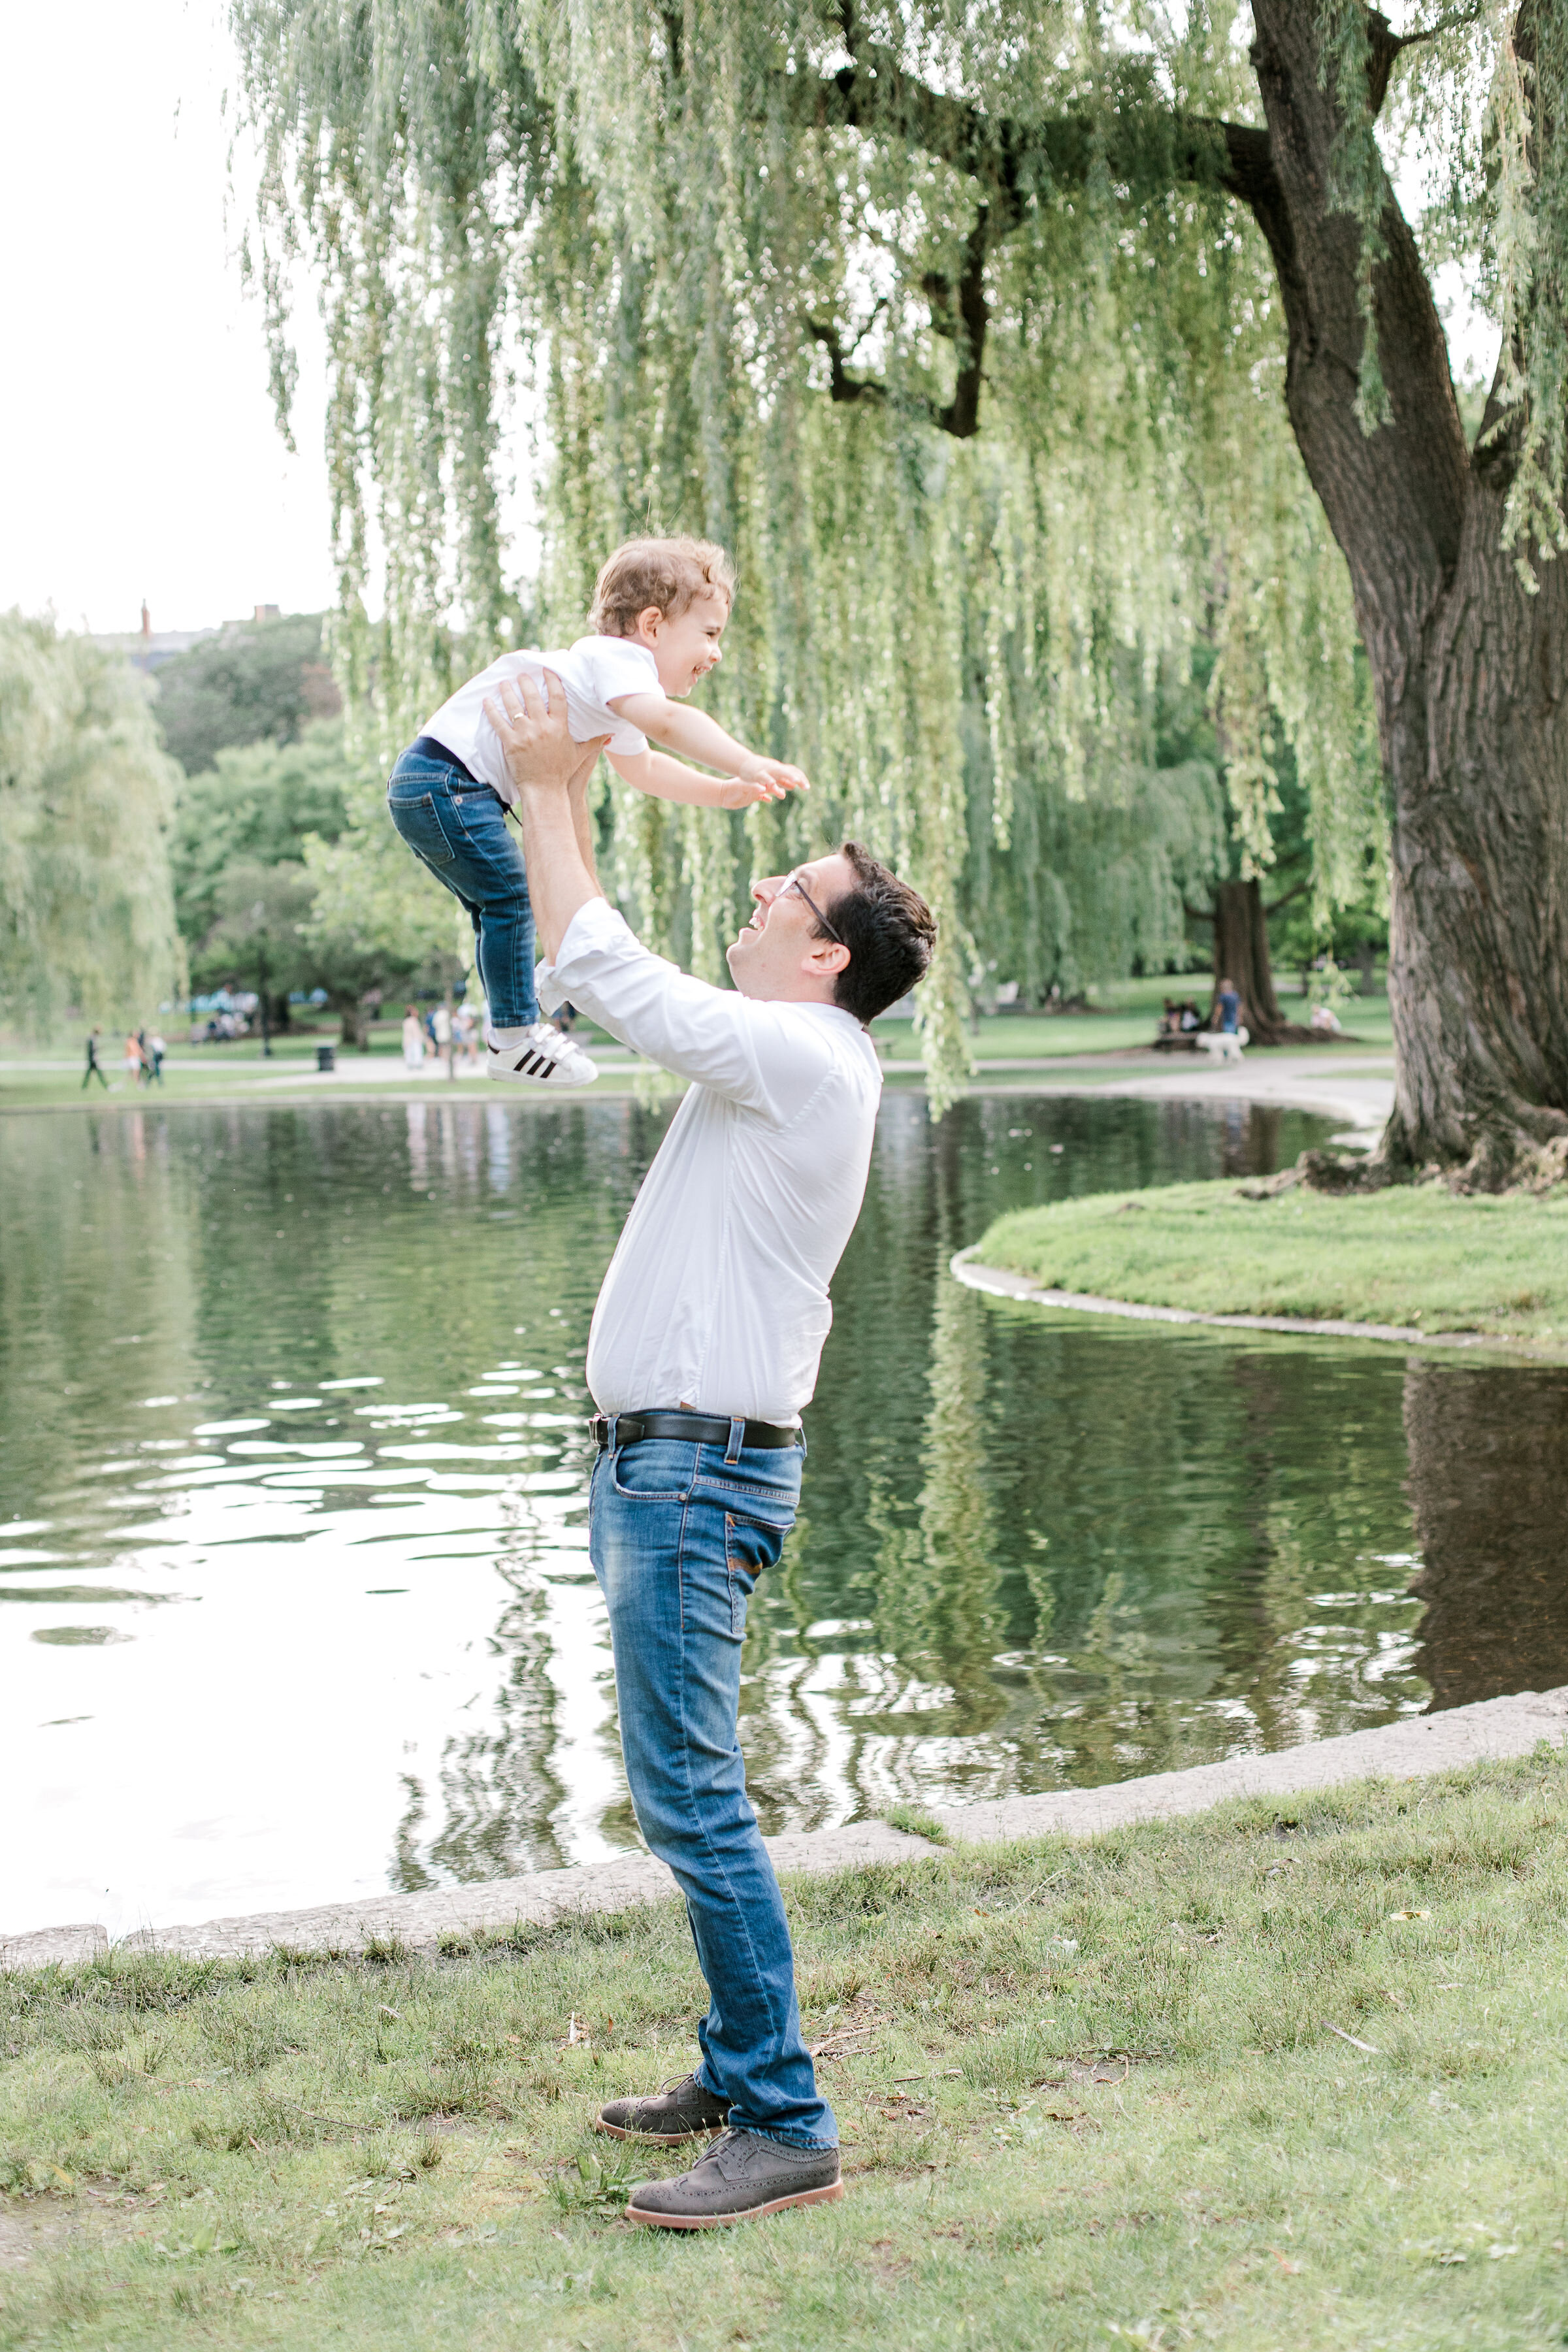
x=941 y=319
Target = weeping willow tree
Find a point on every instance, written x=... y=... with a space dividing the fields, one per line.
x=1016 y=352
x=87 y=802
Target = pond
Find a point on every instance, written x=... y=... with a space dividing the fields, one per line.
x=295 y=1601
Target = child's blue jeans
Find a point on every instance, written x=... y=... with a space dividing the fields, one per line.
x=459 y=829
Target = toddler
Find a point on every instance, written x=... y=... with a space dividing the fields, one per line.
x=659 y=610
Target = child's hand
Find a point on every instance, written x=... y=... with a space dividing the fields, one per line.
x=775 y=779
x=741 y=792
x=735 y=793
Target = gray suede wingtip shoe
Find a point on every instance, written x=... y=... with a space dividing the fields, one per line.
x=683 y=2110
x=741 y=2177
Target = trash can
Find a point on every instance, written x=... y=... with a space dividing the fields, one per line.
x=326 y=1057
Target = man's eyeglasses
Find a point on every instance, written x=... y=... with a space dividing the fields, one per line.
x=795 y=883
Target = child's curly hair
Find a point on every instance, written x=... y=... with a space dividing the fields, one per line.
x=669 y=573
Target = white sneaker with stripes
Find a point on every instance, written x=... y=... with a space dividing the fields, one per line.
x=540 y=1057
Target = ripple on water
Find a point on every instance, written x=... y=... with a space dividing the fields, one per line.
x=1034 y=1550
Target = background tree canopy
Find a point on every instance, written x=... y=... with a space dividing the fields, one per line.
x=967 y=330
x=285 y=868
x=261 y=681
x=87 y=801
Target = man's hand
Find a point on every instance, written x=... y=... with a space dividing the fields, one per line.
x=550 y=773
x=530 y=720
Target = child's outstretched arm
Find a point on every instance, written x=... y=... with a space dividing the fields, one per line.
x=669 y=780
x=697 y=737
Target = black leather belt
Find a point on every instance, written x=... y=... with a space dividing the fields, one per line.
x=691 y=1428
x=426 y=747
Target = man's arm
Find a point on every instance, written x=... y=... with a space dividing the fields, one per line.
x=762 y=1055
x=550 y=773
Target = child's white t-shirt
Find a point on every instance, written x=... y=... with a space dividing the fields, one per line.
x=591 y=670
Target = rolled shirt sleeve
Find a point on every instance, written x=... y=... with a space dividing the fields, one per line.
x=767 y=1057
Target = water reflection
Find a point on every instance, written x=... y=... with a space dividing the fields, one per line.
x=1489 y=1475
x=292 y=1503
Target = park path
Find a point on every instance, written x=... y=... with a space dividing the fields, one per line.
x=1359 y=1090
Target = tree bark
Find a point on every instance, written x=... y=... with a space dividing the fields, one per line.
x=1468 y=667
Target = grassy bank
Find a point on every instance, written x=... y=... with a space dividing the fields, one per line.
x=1413 y=1257
x=1090 y=2094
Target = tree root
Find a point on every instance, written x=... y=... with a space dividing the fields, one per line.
x=1498 y=1166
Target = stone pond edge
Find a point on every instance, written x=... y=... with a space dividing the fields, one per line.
x=1002 y=1283
x=1414 y=1745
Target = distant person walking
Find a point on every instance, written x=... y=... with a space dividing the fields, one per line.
x=1229 y=1001
x=466 y=1035
x=413 y=1041
x=133 y=1060
x=156 y=1050
x=94 y=1066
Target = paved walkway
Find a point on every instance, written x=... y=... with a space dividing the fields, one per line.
x=1416 y=1744
x=1358 y=1089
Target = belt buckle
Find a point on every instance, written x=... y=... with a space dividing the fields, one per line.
x=600 y=1427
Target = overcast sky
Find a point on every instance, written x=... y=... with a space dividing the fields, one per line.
x=141 y=455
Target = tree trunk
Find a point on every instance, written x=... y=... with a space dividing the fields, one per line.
x=1241 y=956
x=1468 y=667
x=1477 y=938
x=355 y=1032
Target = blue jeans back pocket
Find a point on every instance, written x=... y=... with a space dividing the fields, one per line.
x=419 y=820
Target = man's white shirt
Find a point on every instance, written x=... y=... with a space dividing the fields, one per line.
x=592 y=671
x=716 y=1296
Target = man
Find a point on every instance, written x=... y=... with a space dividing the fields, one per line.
x=704 y=1348
x=94 y=1066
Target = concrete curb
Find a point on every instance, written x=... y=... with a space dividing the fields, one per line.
x=1418 y=1744
x=1004 y=1284
x=419 y=1922
x=1393 y=1752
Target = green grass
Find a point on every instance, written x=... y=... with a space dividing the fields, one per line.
x=1416 y=1255
x=1089 y=2096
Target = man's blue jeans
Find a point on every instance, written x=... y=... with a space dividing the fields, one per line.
x=678 y=1535
x=459 y=829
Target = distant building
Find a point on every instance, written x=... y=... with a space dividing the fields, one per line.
x=148 y=648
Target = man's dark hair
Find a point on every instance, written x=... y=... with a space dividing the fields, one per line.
x=889 y=930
